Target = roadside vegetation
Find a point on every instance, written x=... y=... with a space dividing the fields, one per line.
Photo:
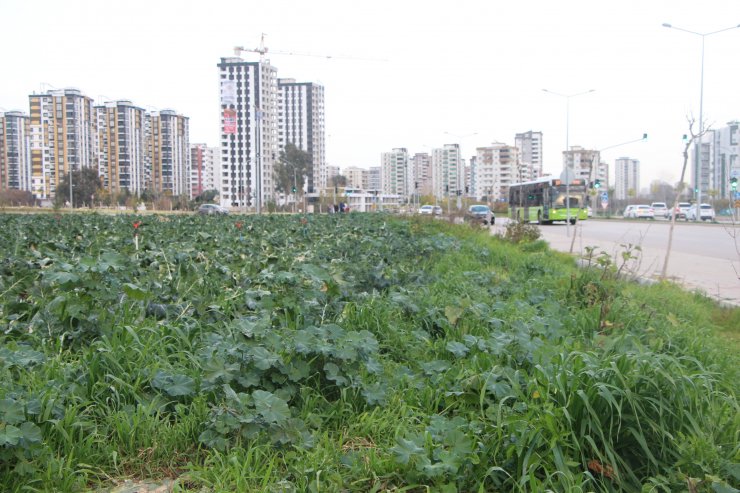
x=356 y=352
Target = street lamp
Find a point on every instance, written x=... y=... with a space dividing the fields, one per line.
x=701 y=105
x=568 y=175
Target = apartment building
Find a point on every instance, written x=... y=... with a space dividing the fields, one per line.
x=249 y=132
x=356 y=177
x=421 y=172
x=122 y=147
x=15 y=151
x=204 y=168
x=374 y=179
x=585 y=164
x=301 y=123
x=63 y=137
x=530 y=151
x=168 y=142
x=719 y=161
x=495 y=168
x=626 y=178
x=447 y=171
x=394 y=172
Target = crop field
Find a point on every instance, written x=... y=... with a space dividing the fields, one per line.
x=357 y=353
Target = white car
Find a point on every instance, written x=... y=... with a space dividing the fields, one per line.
x=660 y=209
x=627 y=211
x=430 y=209
x=706 y=213
x=641 y=211
x=681 y=210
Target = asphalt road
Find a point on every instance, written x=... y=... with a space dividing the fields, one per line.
x=704 y=256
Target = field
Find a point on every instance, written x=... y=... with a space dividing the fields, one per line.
x=349 y=353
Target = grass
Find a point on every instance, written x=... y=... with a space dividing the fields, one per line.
x=365 y=355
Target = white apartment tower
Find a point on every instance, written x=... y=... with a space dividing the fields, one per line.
x=720 y=160
x=626 y=177
x=447 y=171
x=301 y=123
x=249 y=132
x=63 y=137
x=496 y=167
x=356 y=177
x=374 y=178
x=421 y=171
x=530 y=150
x=394 y=172
x=585 y=164
x=168 y=142
x=204 y=168
x=121 y=147
x=15 y=151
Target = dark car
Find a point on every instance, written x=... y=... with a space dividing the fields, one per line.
x=481 y=213
x=212 y=209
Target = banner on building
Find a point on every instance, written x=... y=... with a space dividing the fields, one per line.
x=229 y=121
x=228 y=92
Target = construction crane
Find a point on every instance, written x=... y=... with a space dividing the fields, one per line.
x=263 y=50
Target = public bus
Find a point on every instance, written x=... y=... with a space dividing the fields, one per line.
x=543 y=200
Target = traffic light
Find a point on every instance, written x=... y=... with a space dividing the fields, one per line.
x=295 y=189
x=733 y=184
x=597 y=184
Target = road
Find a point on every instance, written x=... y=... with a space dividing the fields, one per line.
x=704 y=257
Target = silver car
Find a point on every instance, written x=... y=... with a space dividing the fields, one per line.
x=208 y=209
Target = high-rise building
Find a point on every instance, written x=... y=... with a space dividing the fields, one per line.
x=447 y=171
x=626 y=178
x=720 y=149
x=530 y=150
x=496 y=167
x=394 y=172
x=249 y=132
x=421 y=172
x=301 y=123
x=168 y=142
x=204 y=168
x=585 y=164
x=122 y=147
x=63 y=136
x=15 y=151
x=373 y=179
x=356 y=177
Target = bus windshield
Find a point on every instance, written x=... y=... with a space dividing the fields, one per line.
x=558 y=201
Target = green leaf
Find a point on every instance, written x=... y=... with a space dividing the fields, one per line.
x=174 y=385
x=135 y=292
x=31 y=432
x=405 y=450
x=272 y=408
x=10 y=435
x=11 y=412
x=457 y=348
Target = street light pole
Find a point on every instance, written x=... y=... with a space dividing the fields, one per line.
x=701 y=107
x=567 y=147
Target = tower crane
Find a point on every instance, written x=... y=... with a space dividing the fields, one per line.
x=263 y=50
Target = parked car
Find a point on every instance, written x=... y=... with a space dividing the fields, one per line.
x=681 y=210
x=660 y=209
x=705 y=212
x=430 y=209
x=208 y=209
x=627 y=211
x=641 y=211
x=481 y=213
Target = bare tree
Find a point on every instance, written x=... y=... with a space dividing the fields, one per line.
x=692 y=137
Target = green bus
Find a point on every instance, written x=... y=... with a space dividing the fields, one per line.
x=543 y=200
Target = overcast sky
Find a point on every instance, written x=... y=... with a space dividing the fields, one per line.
x=411 y=74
